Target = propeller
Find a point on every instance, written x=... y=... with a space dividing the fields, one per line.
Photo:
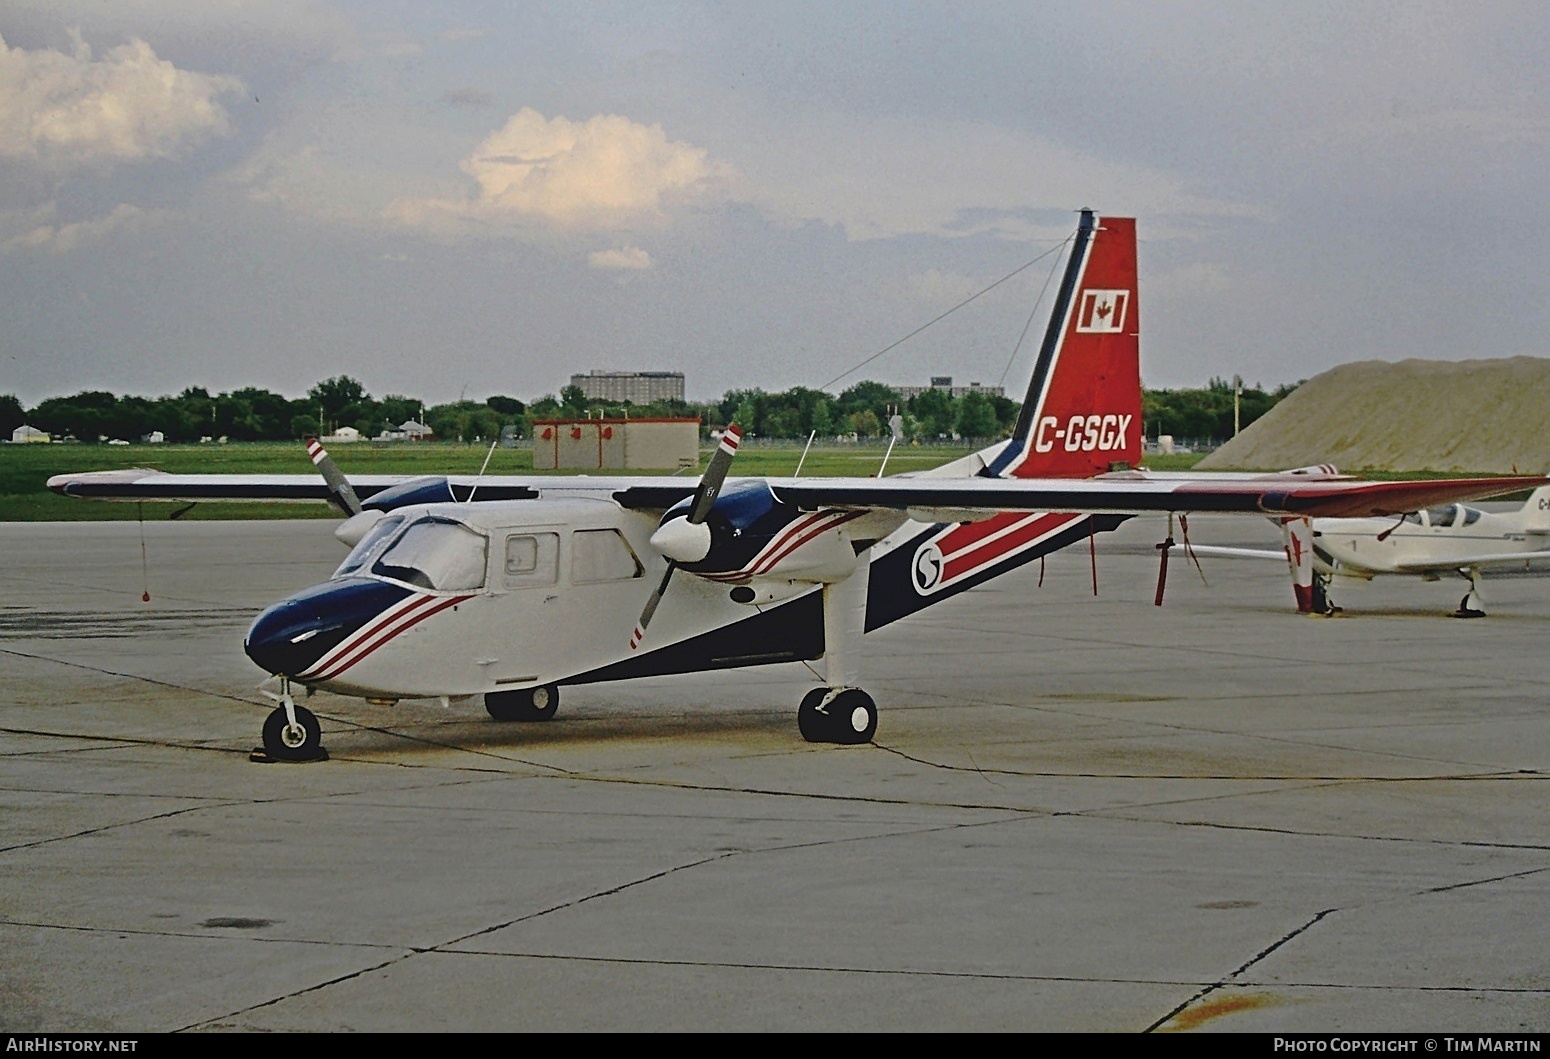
x=687 y=540
x=340 y=493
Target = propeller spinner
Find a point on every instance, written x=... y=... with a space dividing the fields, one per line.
x=687 y=539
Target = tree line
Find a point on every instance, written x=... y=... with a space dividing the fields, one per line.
x=865 y=410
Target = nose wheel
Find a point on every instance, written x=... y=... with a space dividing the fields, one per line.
x=298 y=739
x=291 y=732
x=837 y=715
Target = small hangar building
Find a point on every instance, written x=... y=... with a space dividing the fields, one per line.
x=615 y=444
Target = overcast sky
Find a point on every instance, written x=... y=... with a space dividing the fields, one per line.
x=483 y=197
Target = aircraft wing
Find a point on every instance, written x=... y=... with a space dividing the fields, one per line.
x=1467 y=561
x=926 y=498
x=1128 y=494
x=139 y=483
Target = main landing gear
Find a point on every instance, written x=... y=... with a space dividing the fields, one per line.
x=837 y=715
x=1471 y=606
x=841 y=712
x=528 y=704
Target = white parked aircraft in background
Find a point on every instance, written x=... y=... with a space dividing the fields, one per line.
x=1430 y=543
x=510 y=587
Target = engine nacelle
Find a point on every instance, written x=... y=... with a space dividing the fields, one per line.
x=750 y=535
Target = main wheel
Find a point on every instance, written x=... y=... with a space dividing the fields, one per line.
x=810 y=722
x=529 y=704
x=854 y=717
x=850 y=718
x=284 y=741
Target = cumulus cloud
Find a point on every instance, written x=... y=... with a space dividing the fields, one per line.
x=604 y=173
x=74 y=110
x=62 y=238
x=624 y=257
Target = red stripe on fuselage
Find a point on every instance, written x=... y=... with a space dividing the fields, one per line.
x=959 y=562
x=785 y=542
x=385 y=628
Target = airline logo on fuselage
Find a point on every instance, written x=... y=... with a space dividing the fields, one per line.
x=1102 y=310
x=1091 y=433
x=952 y=554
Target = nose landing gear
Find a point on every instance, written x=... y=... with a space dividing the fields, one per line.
x=291 y=732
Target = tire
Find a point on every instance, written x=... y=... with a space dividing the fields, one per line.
x=850 y=719
x=284 y=743
x=853 y=716
x=529 y=704
x=810 y=722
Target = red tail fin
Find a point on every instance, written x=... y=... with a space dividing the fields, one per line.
x=1082 y=414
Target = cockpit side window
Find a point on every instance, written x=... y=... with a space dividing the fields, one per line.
x=1471 y=516
x=602 y=555
x=1415 y=518
x=369 y=546
x=532 y=560
x=437 y=554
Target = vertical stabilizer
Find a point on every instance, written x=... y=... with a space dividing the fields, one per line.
x=1297 y=539
x=1536 y=510
x=1081 y=417
x=1082 y=412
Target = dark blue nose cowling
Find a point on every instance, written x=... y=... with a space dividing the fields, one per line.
x=290 y=637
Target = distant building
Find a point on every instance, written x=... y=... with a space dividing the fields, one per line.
x=637 y=387
x=945 y=384
x=617 y=444
x=25 y=434
x=343 y=436
x=409 y=430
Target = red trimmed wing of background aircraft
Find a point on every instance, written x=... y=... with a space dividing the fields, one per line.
x=510 y=587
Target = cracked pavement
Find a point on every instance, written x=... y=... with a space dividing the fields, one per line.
x=1079 y=813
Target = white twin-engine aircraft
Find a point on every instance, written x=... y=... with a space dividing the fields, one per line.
x=1451 y=540
x=510 y=588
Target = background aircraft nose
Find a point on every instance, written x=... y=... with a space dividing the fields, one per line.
x=290 y=637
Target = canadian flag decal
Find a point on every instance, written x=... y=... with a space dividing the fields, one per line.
x=1102 y=310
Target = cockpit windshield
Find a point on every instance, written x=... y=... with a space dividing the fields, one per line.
x=1442 y=516
x=438 y=554
x=369 y=546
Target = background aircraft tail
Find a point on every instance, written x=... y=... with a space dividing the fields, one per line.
x=1536 y=510
x=1297 y=538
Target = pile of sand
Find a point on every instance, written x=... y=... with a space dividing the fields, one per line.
x=1417 y=415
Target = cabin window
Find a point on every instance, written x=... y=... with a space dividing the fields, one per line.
x=1471 y=516
x=532 y=559
x=602 y=555
x=437 y=554
x=369 y=546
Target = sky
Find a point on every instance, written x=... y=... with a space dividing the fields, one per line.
x=468 y=198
